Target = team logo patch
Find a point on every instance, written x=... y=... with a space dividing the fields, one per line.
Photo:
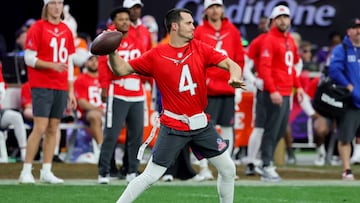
x=221 y=144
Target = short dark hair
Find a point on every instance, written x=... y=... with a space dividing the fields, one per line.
x=118 y=10
x=173 y=16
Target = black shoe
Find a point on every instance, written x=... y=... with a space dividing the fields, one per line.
x=250 y=169
x=57 y=159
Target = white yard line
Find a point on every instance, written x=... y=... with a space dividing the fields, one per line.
x=252 y=183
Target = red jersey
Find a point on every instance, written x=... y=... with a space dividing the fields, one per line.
x=25 y=95
x=88 y=87
x=228 y=41
x=142 y=34
x=254 y=49
x=127 y=88
x=3 y=85
x=276 y=66
x=53 y=43
x=180 y=76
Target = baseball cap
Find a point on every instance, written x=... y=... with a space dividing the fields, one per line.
x=355 y=22
x=279 y=10
x=131 y=3
x=208 y=3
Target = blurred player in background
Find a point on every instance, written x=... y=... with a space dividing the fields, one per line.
x=125 y=102
x=217 y=31
x=48 y=54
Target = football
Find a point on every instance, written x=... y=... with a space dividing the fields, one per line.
x=106 y=42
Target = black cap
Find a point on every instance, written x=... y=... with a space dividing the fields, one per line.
x=355 y=22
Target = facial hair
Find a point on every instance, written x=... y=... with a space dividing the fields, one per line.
x=92 y=70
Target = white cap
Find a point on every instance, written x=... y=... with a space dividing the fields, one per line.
x=46 y=2
x=208 y=3
x=279 y=10
x=69 y=20
x=131 y=3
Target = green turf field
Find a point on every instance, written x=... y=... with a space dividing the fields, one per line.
x=175 y=193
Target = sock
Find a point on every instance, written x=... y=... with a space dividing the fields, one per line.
x=3 y=148
x=23 y=153
x=56 y=150
x=151 y=174
x=46 y=167
x=254 y=143
x=321 y=149
x=27 y=168
x=203 y=163
x=226 y=177
x=227 y=133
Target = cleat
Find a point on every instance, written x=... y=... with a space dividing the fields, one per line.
x=206 y=173
x=250 y=169
x=104 y=179
x=26 y=178
x=167 y=178
x=270 y=175
x=49 y=177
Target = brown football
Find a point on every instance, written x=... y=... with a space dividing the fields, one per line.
x=106 y=42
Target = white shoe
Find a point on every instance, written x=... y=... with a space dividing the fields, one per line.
x=206 y=173
x=270 y=174
x=49 y=177
x=26 y=178
x=320 y=160
x=103 y=179
x=259 y=170
x=130 y=177
x=197 y=178
x=355 y=159
x=335 y=161
x=167 y=178
x=348 y=176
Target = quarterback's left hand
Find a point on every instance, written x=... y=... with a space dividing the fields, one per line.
x=236 y=83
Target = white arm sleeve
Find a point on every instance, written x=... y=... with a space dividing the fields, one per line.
x=299 y=67
x=248 y=75
x=2 y=92
x=71 y=68
x=30 y=57
x=306 y=106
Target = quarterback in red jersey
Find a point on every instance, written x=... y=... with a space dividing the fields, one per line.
x=48 y=55
x=125 y=102
x=179 y=71
x=276 y=68
x=217 y=31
